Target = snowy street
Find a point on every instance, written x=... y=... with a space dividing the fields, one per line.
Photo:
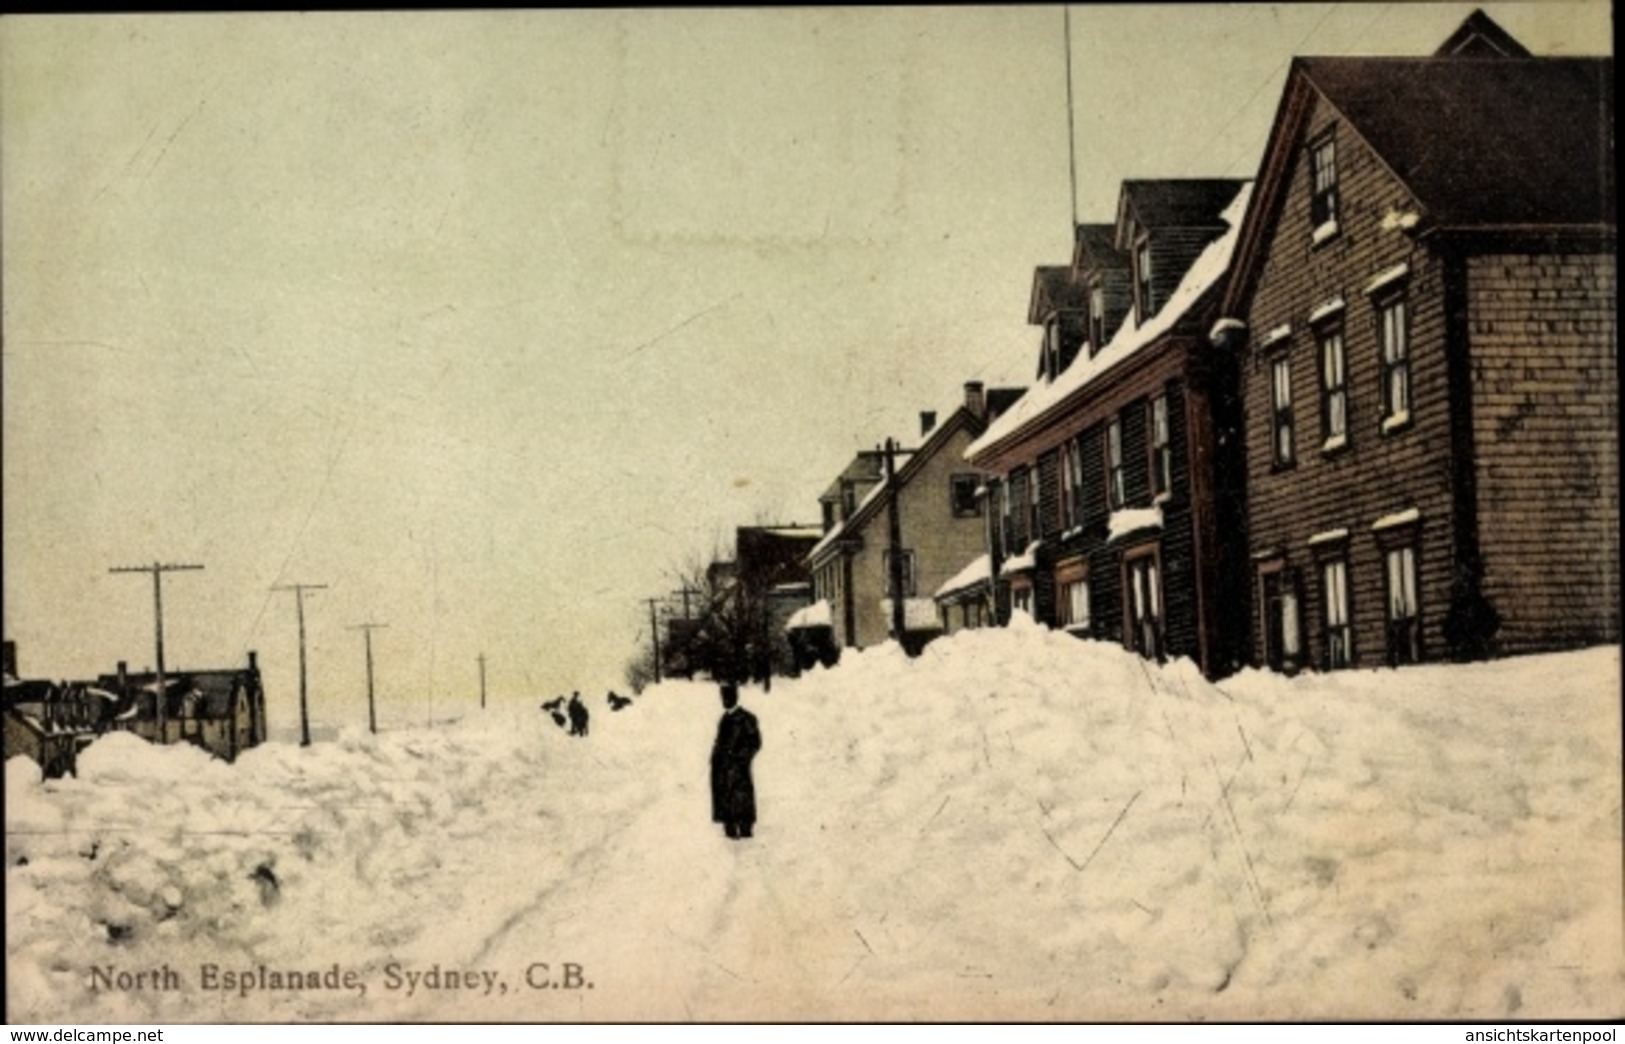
x=1015 y=825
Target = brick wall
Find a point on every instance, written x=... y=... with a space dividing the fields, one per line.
x=1545 y=424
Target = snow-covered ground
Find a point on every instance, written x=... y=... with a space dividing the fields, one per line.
x=1015 y=825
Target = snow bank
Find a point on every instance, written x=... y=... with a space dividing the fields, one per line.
x=1015 y=824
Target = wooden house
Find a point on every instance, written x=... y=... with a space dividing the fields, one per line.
x=1106 y=473
x=1422 y=306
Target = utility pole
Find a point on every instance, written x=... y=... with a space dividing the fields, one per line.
x=685 y=592
x=372 y=709
x=894 y=539
x=482 y=681
x=157 y=569
x=654 y=635
x=304 y=706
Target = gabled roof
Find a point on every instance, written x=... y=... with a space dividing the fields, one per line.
x=998 y=399
x=1095 y=247
x=1515 y=141
x=865 y=470
x=1173 y=203
x=1054 y=290
x=1483 y=141
x=1480 y=37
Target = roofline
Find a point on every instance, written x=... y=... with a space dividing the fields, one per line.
x=1291 y=117
x=960 y=418
x=1104 y=384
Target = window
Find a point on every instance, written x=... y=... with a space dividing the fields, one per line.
x=1097 y=318
x=1281 y=393
x=962 y=495
x=1071 y=484
x=1017 y=511
x=1283 y=642
x=1144 y=583
x=1034 y=529
x=906 y=563
x=1075 y=605
x=1334 y=394
x=849 y=501
x=1143 y=304
x=1335 y=593
x=1323 y=201
x=1115 y=480
x=1007 y=518
x=1396 y=362
x=1050 y=367
x=1162 y=451
x=1404 y=633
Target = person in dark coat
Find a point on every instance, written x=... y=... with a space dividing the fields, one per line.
x=733 y=795
x=578 y=715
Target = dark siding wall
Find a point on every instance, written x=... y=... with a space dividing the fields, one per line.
x=1118 y=286
x=1094 y=479
x=1545 y=418
x=1377 y=474
x=1178 y=538
x=1049 y=506
x=1172 y=251
x=1136 y=475
x=1106 y=593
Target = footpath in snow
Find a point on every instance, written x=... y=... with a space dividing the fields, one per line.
x=1015 y=825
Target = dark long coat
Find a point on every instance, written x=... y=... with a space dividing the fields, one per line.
x=733 y=795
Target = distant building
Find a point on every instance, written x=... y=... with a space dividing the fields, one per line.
x=222 y=711
x=735 y=627
x=939 y=522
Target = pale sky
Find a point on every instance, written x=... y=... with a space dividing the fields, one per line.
x=492 y=321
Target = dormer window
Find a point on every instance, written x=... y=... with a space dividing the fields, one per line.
x=1097 y=318
x=1050 y=367
x=1143 y=303
x=1323 y=198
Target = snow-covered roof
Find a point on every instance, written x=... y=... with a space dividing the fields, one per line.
x=1206 y=271
x=979 y=571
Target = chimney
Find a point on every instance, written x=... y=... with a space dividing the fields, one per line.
x=253 y=661
x=928 y=420
x=975 y=400
x=123 y=673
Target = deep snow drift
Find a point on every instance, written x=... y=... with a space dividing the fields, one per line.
x=1015 y=825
